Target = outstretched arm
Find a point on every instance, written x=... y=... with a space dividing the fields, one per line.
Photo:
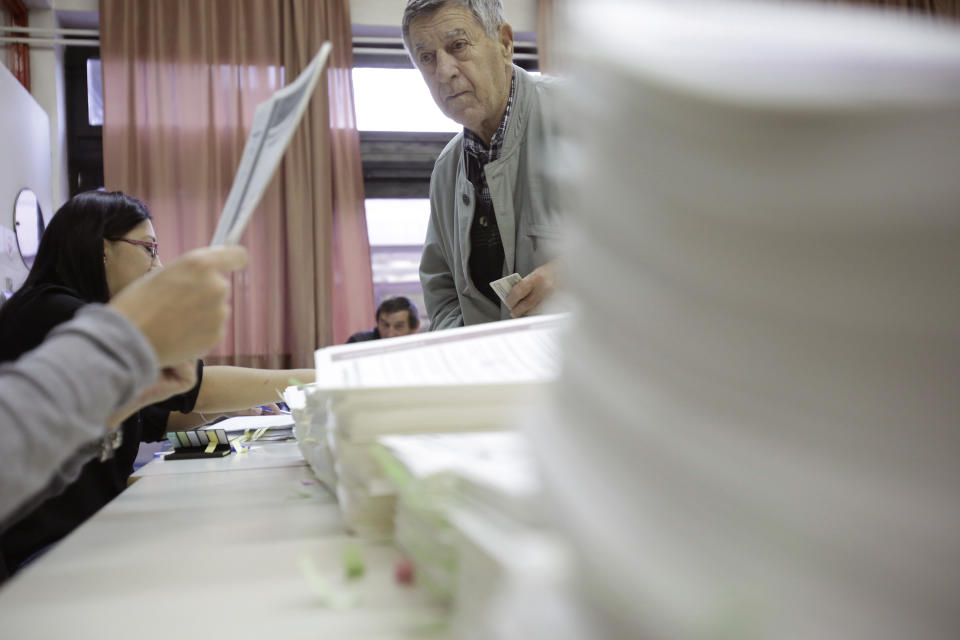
x=233 y=388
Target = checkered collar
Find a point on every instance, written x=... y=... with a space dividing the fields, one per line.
x=472 y=143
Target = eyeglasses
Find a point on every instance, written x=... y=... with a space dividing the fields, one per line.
x=151 y=247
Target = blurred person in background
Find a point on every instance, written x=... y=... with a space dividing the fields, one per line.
x=395 y=317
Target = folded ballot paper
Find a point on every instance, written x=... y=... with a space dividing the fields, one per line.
x=274 y=123
x=503 y=286
x=467 y=379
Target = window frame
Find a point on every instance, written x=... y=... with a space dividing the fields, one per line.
x=84 y=140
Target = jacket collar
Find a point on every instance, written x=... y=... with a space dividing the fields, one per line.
x=517 y=123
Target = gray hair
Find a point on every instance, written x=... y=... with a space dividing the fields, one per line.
x=488 y=13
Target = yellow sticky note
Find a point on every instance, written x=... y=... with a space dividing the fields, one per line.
x=239 y=445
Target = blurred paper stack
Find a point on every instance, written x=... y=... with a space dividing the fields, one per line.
x=498 y=514
x=469 y=512
x=758 y=423
x=421 y=523
x=467 y=379
x=309 y=428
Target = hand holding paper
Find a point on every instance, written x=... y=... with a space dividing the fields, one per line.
x=503 y=286
x=527 y=295
x=274 y=123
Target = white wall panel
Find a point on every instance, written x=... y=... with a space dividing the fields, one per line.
x=24 y=163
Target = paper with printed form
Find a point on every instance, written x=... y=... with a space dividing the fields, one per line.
x=496 y=353
x=274 y=123
x=477 y=379
x=244 y=423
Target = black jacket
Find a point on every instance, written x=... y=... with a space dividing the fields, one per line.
x=99 y=482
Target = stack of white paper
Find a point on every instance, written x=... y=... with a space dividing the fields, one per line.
x=309 y=428
x=498 y=515
x=469 y=514
x=422 y=468
x=467 y=379
x=757 y=433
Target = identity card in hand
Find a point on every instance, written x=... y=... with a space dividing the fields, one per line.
x=502 y=286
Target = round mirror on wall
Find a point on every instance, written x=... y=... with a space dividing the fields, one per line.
x=28 y=224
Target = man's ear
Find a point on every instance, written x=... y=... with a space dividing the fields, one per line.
x=506 y=41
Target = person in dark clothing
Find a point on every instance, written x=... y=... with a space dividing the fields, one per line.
x=96 y=245
x=395 y=317
x=61 y=403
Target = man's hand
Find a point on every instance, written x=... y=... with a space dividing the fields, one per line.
x=525 y=296
x=182 y=308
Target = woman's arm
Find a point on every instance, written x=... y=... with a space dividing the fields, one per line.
x=177 y=421
x=233 y=388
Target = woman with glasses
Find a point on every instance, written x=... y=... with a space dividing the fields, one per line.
x=96 y=245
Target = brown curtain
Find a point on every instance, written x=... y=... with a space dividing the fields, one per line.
x=13 y=13
x=181 y=81
x=546 y=14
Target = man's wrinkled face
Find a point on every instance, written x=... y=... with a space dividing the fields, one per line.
x=394 y=324
x=467 y=72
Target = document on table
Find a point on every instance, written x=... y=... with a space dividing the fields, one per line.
x=242 y=423
x=274 y=123
x=511 y=351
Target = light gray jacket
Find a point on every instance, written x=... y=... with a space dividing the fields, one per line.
x=528 y=221
x=55 y=400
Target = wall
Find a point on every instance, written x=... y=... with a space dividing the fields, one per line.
x=521 y=14
x=25 y=162
x=46 y=86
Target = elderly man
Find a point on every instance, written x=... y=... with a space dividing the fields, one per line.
x=490 y=215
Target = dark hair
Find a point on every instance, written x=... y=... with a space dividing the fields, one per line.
x=71 y=248
x=400 y=303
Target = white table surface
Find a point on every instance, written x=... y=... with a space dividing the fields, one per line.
x=213 y=553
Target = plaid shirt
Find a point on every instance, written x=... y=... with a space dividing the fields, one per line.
x=475 y=151
x=486 y=246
